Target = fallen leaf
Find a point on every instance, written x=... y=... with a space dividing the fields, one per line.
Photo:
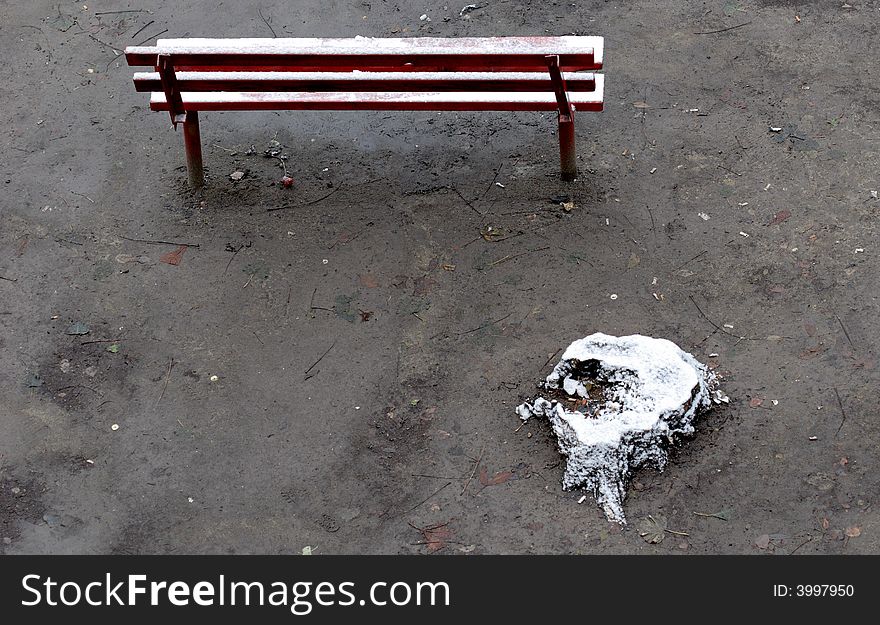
x=724 y=515
x=424 y=285
x=113 y=348
x=863 y=363
x=641 y=105
x=853 y=532
x=810 y=328
x=491 y=233
x=342 y=307
x=762 y=541
x=498 y=478
x=652 y=529
x=368 y=280
x=173 y=258
x=755 y=402
x=779 y=217
x=825 y=523
x=436 y=536
x=365 y=315
x=634 y=261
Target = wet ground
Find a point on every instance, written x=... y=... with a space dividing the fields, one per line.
x=343 y=371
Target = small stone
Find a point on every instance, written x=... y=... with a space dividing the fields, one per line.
x=64 y=366
x=78 y=329
x=214 y=378
x=236 y=175
x=52 y=520
x=91 y=371
x=114 y=427
x=7 y=540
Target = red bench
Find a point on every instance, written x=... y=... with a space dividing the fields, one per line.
x=414 y=74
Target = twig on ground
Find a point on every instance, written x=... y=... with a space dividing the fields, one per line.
x=266 y=22
x=474 y=472
x=312 y=303
x=687 y=262
x=158 y=241
x=712 y=323
x=234 y=254
x=511 y=257
x=323 y=197
x=103 y=43
x=485 y=325
x=167 y=378
x=84 y=195
x=8 y=279
x=125 y=11
x=809 y=539
x=101 y=341
x=465 y=200
x=143 y=28
x=843 y=327
x=842 y=412
x=551 y=358
x=315 y=364
x=428 y=498
x=436 y=477
x=723 y=30
x=153 y=37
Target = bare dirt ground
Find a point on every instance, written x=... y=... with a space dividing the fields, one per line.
x=435 y=332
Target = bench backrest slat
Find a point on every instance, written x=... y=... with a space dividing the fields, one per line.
x=508 y=54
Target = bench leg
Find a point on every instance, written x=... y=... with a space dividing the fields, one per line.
x=192 y=141
x=567 y=147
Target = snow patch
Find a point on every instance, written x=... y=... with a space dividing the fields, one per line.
x=615 y=405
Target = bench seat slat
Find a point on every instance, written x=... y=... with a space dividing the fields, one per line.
x=378 y=101
x=375 y=54
x=364 y=81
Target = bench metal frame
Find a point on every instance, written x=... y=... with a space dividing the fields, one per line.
x=415 y=74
